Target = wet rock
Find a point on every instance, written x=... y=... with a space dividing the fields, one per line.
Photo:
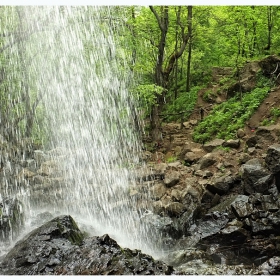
x=270 y=203
x=59 y=248
x=162 y=224
x=270 y=267
x=11 y=218
x=174 y=209
x=241 y=207
x=40 y=157
x=221 y=185
x=255 y=177
x=211 y=224
x=157 y=191
x=261 y=226
x=209 y=147
x=272 y=158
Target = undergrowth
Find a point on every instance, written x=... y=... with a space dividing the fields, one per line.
x=182 y=107
x=227 y=117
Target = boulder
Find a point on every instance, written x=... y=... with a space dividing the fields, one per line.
x=220 y=185
x=59 y=248
x=255 y=178
x=232 y=143
x=193 y=156
x=11 y=218
x=157 y=191
x=270 y=267
x=209 y=147
x=171 y=178
x=206 y=161
x=174 y=209
x=272 y=158
x=241 y=207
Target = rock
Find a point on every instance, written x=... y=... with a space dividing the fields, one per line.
x=176 y=195
x=206 y=161
x=240 y=133
x=261 y=226
x=211 y=224
x=48 y=168
x=231 y=143
x=11 y=218
x=272 y=158
x=241 y=207
x=193 y=156
x=174 y=209
x=157 y=191
x=59 y=248
x=40 y=157
x=171 y=178
x=224 y=207
x=220 y=185
x=252 y=141
x=270 y=267
x=269 y=203
x=26 y=173
x=268 y=133
x=209 y=147
x=255 y=178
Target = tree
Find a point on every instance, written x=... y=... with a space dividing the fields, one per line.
x=162 y=72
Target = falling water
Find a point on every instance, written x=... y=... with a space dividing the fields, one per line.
x=79 y=72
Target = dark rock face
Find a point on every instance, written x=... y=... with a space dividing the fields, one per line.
x=11 y=218
x=255 y=177
x=59 y=248
x=273 y=158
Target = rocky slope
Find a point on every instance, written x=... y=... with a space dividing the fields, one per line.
x=216 y=206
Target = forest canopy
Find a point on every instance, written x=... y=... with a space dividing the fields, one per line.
x=170 y=51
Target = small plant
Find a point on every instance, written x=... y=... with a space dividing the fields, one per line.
x=208 y=96
x=222 y=148
x=171 y=159
x=224 y=80
x=274 y=115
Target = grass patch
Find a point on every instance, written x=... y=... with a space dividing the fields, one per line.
x=226 y=118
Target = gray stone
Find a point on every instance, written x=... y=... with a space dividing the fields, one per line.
x=206 y=161
x=241 y=207
x=171 y=178
x=157 y=191
x=232 y=143
x=209 y=147
x=255 y=177
x=175 y=208
x=272 y=158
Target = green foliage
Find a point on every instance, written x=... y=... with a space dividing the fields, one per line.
x=221 y=148
x=171 y=159
x=228 y=117
x=274 y=115
x=262 y=81
x=209 y=95
x=182 y=106
x=147 y=95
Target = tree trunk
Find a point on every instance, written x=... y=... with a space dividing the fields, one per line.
x=162 y=75
x=188 y=87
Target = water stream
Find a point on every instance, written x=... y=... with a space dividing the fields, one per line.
x=77 y=67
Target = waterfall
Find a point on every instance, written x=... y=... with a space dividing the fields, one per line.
x=77 y=70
